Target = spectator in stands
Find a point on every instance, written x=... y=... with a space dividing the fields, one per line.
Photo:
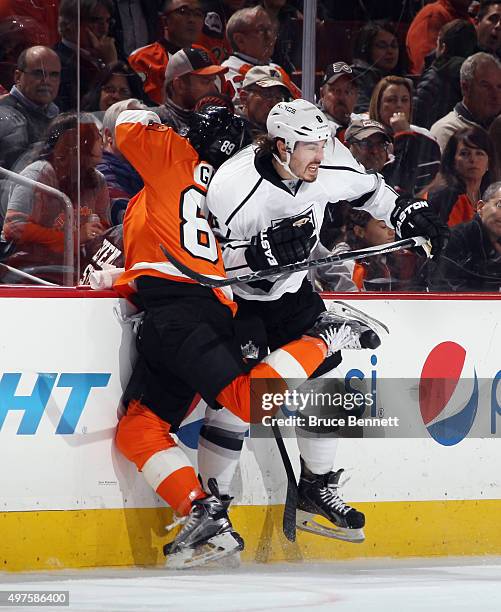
x=26 y=112
x=488 y=24
x=35 y=220
x=213 y=37
x=471 y=260
x=262 y=88
x=369 y=143
x=117 y=82
x=338 y=97
x=122 y=179
x=182 y=22
x=44 y=13
x=136 y=24
x=190 y=75
x=417 y=154
x=286 y=17
x=481 y=86
x=97 y=49
x=426 y=25
x=495 y=139
x=380 y=273
x=439 y=88
x=376 y=54
x=252 y=35
x=464 y=174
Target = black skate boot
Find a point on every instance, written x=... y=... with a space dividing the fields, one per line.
x=207 y=534
x=318 y=495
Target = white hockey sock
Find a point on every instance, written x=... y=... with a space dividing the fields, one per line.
x=219 y=447
x=318 y=453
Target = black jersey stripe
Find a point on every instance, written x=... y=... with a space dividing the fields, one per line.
x=251 y=193
x=342 y=168
x=359 y=202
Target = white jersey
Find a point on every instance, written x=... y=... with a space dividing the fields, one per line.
x=246 y=195
x=237 y=68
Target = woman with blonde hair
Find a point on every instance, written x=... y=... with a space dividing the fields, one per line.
x=415 y=159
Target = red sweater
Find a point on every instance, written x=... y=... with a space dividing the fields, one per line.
x=423 y=31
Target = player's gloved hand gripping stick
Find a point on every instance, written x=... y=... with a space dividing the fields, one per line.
x=208 y=281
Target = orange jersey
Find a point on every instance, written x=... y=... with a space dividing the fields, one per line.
x=168 y=209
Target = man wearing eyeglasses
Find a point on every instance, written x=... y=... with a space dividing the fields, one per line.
x=369 y=143
x=27 y=110
x=252 y=35
x=262 y=88
x=182 y=22
x=472 y=259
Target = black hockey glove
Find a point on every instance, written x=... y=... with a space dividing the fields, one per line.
x=412 y=217
x=289 y=242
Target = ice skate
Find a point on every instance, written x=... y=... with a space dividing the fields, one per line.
x=340 y=331
x=319 y=496
x=348 y=312
x=207 y=534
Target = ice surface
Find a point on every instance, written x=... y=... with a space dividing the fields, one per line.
x=360 y=586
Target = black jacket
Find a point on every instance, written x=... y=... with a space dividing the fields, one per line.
x=469 y=262
x=438 y=91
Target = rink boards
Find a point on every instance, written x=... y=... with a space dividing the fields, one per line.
x=69 y=500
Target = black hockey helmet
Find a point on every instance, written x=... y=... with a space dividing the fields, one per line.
x=216 y=134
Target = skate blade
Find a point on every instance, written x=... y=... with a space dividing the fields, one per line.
x=306 y=522
x=216 y=548
x=343 y=309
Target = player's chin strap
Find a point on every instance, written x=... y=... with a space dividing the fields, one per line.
x=285 y=165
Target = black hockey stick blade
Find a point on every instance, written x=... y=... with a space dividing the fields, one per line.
x=208 y=281
x=289 y=518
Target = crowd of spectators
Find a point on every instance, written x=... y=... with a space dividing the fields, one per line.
x=416 y=98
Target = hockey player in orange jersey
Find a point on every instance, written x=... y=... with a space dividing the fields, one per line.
x=187 y=342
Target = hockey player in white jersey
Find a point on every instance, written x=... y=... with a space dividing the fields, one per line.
x=268 y=204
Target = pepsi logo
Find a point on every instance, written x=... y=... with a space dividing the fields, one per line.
x=448 y=393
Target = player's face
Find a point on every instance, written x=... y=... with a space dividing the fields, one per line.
x=490 y=213
x=306 y=159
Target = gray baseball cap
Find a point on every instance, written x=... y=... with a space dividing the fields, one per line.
x=191 y=60
x=359 y=129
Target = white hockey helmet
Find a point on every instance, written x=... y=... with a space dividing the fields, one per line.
x=296 y=121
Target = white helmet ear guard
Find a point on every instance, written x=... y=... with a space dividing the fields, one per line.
x=296 y=121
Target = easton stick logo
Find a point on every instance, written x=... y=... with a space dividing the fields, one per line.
x=448 y=393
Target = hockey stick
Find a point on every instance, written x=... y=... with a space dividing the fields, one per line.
x=209 y=281
x=289 y=518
